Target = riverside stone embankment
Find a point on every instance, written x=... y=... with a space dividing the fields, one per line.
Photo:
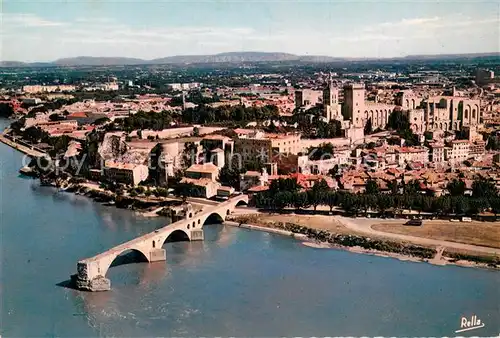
x=22 y=148
x=363 y=244
x=359 y=241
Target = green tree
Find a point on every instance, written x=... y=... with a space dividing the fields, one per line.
x=412 y=187
x=101 y=121
x=350 y=203
x=331 y=199
x=300 y=200
x=484 y=188
x=393 y=187
x=56 y=117
x=284 y=184
x=317 y=194
x=230 y=176
x=495 y=205
x=323 y=151
x=460 y=204
x=281 y=200
x=368 y=126
x=6 y=110
x=372 y=187
x=456 y=187
x=398 y=121
x=35 y=134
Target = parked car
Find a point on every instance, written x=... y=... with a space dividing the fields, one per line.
x=466 y=219
x=415 y=222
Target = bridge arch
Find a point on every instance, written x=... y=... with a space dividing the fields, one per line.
x=127 y=256
x=178 y=235
x=215 y=217
x=241 y=203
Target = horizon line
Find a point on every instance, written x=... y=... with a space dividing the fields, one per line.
x=262 y=52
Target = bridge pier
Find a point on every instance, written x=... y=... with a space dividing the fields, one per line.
x=156 y=255
x=99 y=283
x=89 y=278
x=197 y=235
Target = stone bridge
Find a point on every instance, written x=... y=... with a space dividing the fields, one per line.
x=91 y=274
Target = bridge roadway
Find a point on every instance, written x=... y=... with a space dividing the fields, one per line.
x=91 y=274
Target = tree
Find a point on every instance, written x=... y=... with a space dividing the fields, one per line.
x=101 y=121
x=196 y=131
x=393 y=186
x=281 y=200
x=323 y=151
x=316 y=195
x=35 y=134
x=185 y=190
x=372 y=187
x=456 y=187
x=6 y=110
x=412 y=187
x=368 y=126
x=284 y=184
x=484 y=188
x=460 y=204
x=331 y=199
x=398 y=121
x=384 y=202
x=56 y=117
x=189 y=154
x=350 y=203
x=230 y=176
x=495 y=205
x=492 y=142
x=300 y=200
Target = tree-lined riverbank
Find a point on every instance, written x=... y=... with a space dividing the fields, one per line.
x=342 y=237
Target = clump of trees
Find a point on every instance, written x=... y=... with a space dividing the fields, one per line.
x=492 y=142
x=6 y=110
x=201 y=114
x=400 y=123
x=287 y=193
x=143 y=120
x=205 y=114
x=311 y=125
x=323 y=151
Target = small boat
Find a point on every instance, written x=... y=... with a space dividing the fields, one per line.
x=26 y=171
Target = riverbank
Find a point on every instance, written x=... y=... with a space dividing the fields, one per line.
x=359 y=243
x=22 y=148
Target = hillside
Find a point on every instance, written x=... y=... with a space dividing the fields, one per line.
x=232 y=57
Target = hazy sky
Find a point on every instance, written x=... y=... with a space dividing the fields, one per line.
x=40 y=30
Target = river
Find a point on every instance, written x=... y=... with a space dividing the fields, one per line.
x=236 y=283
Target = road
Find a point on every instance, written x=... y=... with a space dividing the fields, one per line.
x=364 y=225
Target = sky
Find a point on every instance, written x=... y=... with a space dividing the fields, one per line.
x=40 y=30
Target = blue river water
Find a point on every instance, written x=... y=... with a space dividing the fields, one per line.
x=235 y=283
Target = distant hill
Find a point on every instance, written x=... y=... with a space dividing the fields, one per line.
x=451 y=56
x=13 y=64
x=227 y=58
x=232 y=57
x=98 y=61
